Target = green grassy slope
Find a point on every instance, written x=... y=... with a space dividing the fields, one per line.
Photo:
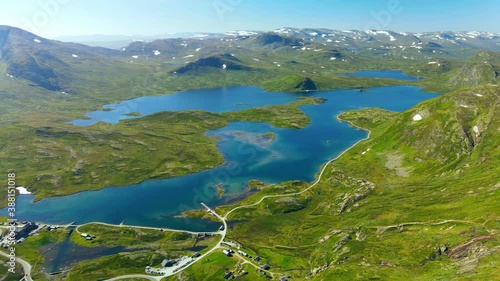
x=417 y=201
x=63 y=159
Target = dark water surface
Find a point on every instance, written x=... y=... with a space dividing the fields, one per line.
x=62 y=255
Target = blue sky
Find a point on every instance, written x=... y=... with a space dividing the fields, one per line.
x=52 y=18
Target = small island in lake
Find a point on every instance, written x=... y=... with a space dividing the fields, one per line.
x=136 y=114
x=255 y=184
x=220 y=190
x=267 y=137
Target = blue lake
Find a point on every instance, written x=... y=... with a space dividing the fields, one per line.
x=392 y=74
x=293 y=155
x=214 y=100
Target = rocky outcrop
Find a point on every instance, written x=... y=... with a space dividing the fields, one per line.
x=306 y=85
x=467 y=255
x=481 y=69
x=220 y=62
x=289 y=205
x=360 y=189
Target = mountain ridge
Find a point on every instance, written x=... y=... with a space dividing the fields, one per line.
x=54 y=64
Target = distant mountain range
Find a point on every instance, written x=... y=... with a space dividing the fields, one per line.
x=347 y=38
x=119 y=41
x=55 y=64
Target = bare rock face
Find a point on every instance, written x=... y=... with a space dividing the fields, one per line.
x=467 y=255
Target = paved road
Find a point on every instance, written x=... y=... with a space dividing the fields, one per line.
x=171 y=271
x=146 y=227
x=223 y=219
x=148 y=277
x=300 y=192
x=26 y=267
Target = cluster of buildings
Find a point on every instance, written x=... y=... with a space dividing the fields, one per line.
x=178 y=264
x=53 y=227
x=264 y=266
x=231 y=244
x=244 y=254
x=87 y=236
x=228 y=252
x=169 y=263
x=261 y=271
x=203 y=235
x=24 y=231
x=20 y=232
x=237 y=274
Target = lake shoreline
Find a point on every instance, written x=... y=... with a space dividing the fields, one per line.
x=158 y=202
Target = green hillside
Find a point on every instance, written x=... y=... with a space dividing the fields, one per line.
x=416 y=201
